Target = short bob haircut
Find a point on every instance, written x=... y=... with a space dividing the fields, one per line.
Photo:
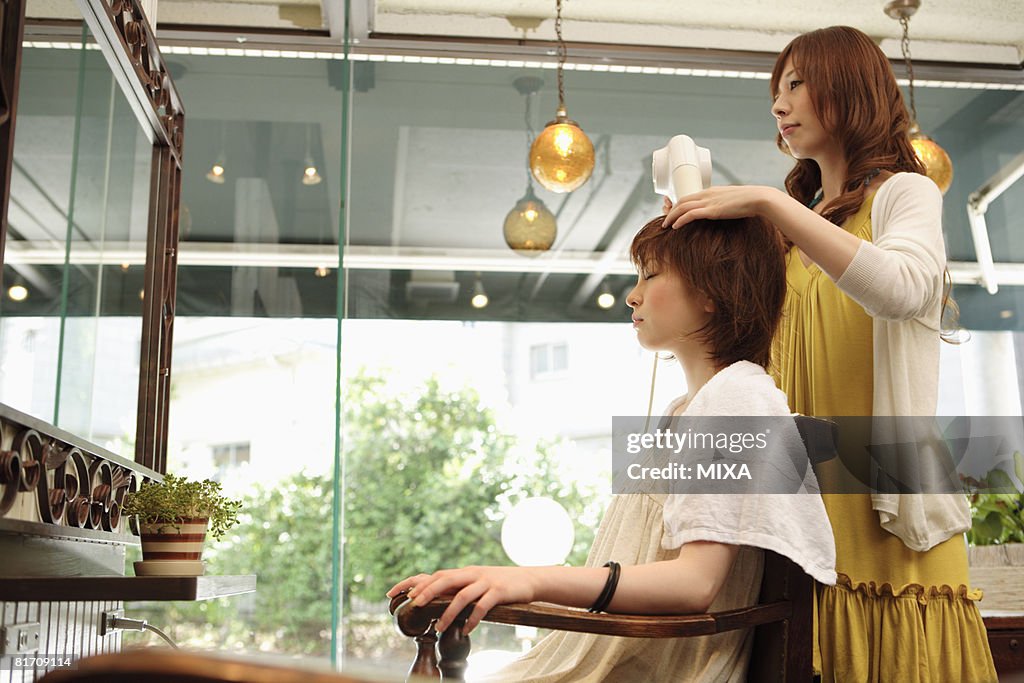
x=739 y=264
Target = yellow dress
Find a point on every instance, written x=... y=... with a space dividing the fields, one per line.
x=895 y=615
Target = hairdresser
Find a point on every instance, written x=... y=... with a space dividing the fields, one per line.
x=860 y=335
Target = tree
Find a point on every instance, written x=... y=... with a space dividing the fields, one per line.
x=428 y=475
x=427 y=478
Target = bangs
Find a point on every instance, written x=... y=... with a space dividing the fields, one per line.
x=648 y=245
x=791 y=51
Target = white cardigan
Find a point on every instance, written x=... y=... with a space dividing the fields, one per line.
x=897 y=278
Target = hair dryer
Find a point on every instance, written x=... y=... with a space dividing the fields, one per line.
x=681 y=168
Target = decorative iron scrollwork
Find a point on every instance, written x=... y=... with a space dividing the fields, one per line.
x=72 y=487
x=140 y=44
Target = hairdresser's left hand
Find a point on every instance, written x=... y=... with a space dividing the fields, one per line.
x=487 y=586
x=728 y=201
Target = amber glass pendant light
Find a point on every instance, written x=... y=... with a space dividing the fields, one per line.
x=936 y=161
x=530 y=227
x=562 y=156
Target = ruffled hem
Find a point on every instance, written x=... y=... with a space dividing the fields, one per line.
x=878 y=633
x=918 y=591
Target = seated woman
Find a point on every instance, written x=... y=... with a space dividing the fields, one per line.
x=711 y=295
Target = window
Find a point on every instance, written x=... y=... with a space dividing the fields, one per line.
x=548 y=360
x=228 y=456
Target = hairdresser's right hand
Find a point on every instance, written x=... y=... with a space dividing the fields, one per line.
x=486 y=586
x=721 y=202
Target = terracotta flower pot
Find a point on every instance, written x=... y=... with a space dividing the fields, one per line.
x=174 y=540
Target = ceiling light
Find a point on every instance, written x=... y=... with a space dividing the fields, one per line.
x=18 y=292
x=479 y=299
x=936 y=162
x=216 y=173
x=562 y=156
x=310 y=176
x=605 y=299
x=530 y=228
x=322 y=271
x=653 y=69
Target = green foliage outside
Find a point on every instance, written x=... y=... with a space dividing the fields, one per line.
x=429 y=476
x=997 y=511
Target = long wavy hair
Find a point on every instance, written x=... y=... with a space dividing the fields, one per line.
x=855 y=97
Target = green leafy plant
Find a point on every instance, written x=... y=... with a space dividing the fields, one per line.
x=997 y=506
x=176 y=499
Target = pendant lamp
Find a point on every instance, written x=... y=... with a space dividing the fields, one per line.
x=562 y=156
x=530 y=227
x=937 y=163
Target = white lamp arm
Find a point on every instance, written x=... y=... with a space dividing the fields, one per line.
x=977 y=204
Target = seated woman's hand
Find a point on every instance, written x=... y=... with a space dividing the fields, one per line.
x=487 y=586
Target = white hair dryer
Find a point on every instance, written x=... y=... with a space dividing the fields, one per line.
x=681 y=168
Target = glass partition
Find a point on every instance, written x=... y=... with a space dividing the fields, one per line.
x=71 y=315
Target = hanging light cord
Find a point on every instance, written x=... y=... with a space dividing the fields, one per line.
x=650 y=397
x=561 y=53
x=529 y=139
x=905 y=47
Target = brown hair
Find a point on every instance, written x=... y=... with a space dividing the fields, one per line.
x=855 y=96
x=739 y=264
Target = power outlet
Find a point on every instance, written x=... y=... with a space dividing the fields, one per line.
x=17 y=639
x=107 y=620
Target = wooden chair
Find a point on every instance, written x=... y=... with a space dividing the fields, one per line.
x=782 y=619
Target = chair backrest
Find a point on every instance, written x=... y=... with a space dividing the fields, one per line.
x=820 y=437
x=782 y=649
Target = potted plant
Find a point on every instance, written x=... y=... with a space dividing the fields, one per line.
x=996 y=537
x=174 y=516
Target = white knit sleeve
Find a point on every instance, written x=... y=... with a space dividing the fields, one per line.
x=898 y=276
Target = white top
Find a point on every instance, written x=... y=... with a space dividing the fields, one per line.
x=791 y=524
x=642 y=528
x=897 y=278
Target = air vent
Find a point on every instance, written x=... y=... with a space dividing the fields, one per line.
x=432 y=286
